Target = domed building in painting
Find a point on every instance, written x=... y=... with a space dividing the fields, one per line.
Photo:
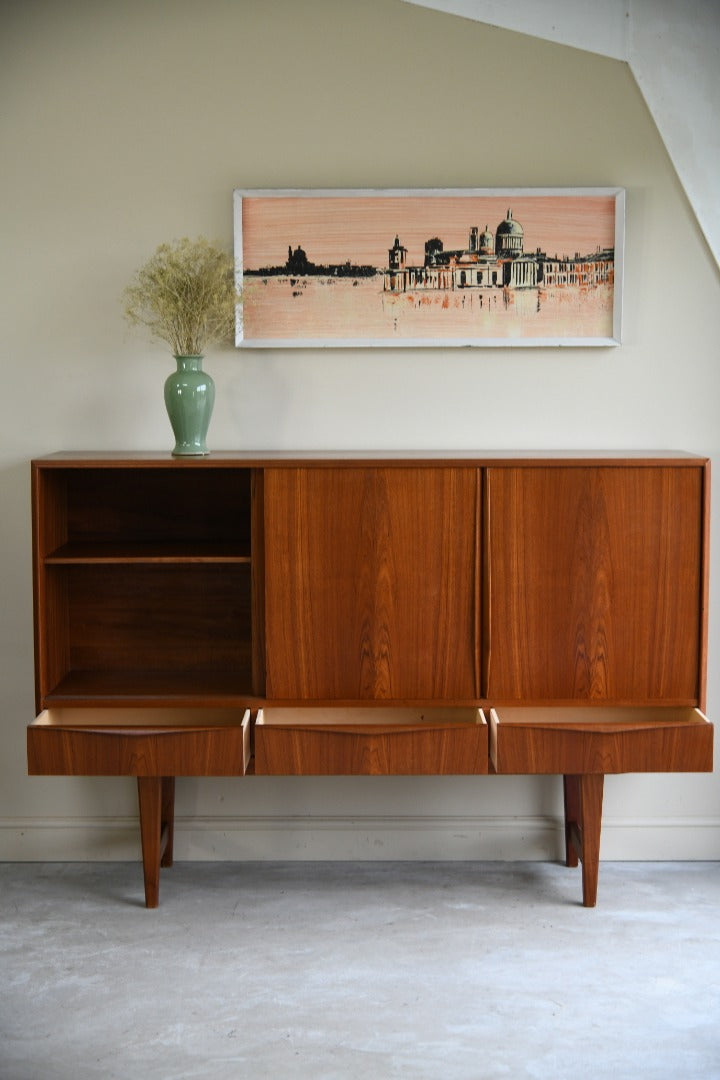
x=509 y=237
x=498 y=261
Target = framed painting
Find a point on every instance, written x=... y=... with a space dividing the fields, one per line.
x=463 y=267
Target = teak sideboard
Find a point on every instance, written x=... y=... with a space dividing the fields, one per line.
x=367 y=613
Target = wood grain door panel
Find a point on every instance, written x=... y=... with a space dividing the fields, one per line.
x=371 y=583
x=595 y=584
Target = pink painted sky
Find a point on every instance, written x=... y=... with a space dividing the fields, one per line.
x=362 y=229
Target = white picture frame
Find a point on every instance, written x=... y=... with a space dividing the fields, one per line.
x=470 y=267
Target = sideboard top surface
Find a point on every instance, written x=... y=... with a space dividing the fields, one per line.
x=335 y=458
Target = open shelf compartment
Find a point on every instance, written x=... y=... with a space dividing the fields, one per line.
x=119 y=631
x=95 y=513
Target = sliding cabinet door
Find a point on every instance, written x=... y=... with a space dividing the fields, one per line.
x=371 y=583
x=595 y=583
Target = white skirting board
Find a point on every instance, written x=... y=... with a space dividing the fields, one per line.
x=355 y=838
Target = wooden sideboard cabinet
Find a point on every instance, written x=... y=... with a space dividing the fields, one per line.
x=370 y=614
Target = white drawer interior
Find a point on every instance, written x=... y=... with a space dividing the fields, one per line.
x=367 y=717
x=600 y=715
x=143 y=718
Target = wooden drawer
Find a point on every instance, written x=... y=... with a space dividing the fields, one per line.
x=370 y=741
x=139 y=742
x=585 y=739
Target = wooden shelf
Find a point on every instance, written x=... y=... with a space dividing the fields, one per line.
x=179 y=552
x=211 y=687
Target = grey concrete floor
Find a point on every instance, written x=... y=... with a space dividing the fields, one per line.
x=347 y=971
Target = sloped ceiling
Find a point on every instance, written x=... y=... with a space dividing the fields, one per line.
x=673 y=51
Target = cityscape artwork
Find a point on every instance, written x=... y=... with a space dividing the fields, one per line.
x=469 y=267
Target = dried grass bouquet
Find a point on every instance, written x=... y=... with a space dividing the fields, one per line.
x=185 y=294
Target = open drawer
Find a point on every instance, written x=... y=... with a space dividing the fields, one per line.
x=586 y=739
x=139 y=742
x=375 y=741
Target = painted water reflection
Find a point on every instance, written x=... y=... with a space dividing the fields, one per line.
x=330 y=310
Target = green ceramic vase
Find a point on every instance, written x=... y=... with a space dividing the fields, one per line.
x=189 y=398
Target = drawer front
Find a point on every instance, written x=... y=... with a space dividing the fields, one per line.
x=61 y=743
x=366 y=746
x=600 y=740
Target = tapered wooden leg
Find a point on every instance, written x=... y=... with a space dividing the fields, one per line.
x=150 y=802
x=167 y=820
x=583 y=823
x=156 y=798
x=591 y=799
x=571 y=794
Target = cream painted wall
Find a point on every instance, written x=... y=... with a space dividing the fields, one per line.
x=673 y=51
x=125 y=124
